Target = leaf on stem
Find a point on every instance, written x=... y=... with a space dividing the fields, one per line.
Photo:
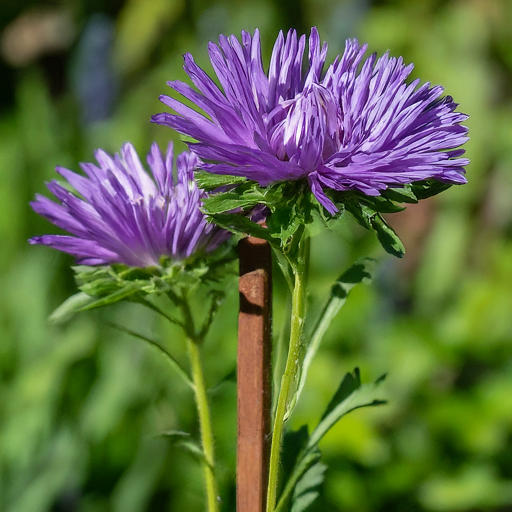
x=428 y=188
x=183 y=440
x=228 y=378
x=174 y=362
x=387 y=236
x=209 y=181
x=217 y=297
x=358 y=272
x=70 y=307
x=367 y=212
x=351 y=395
x=243 y=225
x=298 y=458
x=301 y=482
x=307 y=489
x=403 y=194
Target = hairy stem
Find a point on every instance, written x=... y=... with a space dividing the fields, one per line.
x=193 y=346
x=289 y=378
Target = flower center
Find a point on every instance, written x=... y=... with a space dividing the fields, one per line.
x=308 y=131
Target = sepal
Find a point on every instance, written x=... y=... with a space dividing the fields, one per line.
x=367 y=212
x=209 y=181
x=108 y=284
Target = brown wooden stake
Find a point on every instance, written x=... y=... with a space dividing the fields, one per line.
x=254 y=375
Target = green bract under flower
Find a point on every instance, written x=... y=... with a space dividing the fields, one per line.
x=291 y=206
x=104 y=285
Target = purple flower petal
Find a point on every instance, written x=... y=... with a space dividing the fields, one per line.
x=361 y=126
x=127 y=217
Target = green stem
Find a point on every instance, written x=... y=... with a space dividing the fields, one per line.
x=289 y=375
x=205 y=425
x=193 y=346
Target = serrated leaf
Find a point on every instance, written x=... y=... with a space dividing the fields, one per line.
x=350 y=395
x=70 y=307
x=307 y=488
x=389 y=240
x=209 y=181
x=358 y=272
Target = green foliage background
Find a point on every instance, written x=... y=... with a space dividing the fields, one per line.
x=81 y=405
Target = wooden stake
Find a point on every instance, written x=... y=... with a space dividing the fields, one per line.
x=254 y=374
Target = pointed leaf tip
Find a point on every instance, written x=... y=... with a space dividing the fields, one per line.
x=70 y=307
x=350 y=395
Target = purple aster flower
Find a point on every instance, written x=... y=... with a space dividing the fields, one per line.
x=124 y=216
x=358 y=126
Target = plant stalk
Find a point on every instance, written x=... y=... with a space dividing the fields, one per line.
x=290 y=374
x=205 y=424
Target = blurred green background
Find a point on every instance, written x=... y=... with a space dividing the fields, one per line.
x=82 y=405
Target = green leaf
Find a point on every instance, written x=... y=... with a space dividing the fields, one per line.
x=229 y=378
x=361 y=213
x=70 y=307
x=106 y=285
x=387 y=236
x=348 y=385
x=288 y=220
x=174 y=362
x=403 y=194
x=175 y=435
x=370 y=218
x=284 y=265
x=379 y=204
x=240 y=224
x=307 y=458
x=208 y=181
x=307 y=488
x=284 y=222
x=194 y=449
x=226 y=201
x=217 y=297
x=428 y=188
x=183 y=440
x=358 y=272
x=351 y=395
x=123 y=293
x=294 y=443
